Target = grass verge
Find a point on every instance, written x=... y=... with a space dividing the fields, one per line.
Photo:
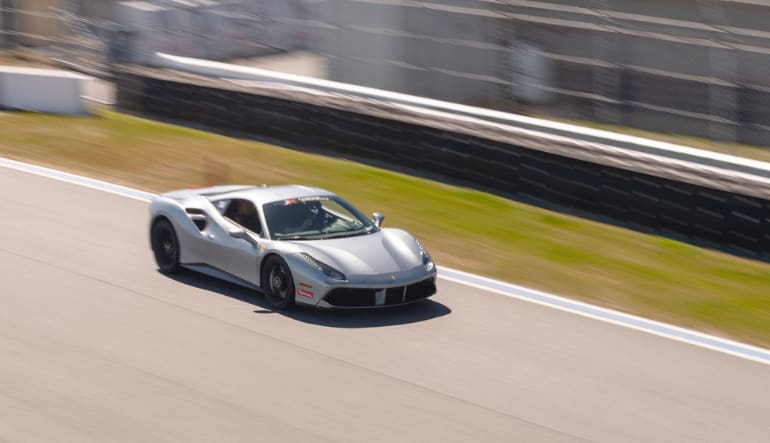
x=474 y=231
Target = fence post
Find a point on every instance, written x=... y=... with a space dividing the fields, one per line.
x=723 y=67
x=506 y=39
x=8 y=20
x=605 y=71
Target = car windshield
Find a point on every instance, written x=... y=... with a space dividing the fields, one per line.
x=315 y=218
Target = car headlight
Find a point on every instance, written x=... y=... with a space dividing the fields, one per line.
x=324 y=268
x=427 y=261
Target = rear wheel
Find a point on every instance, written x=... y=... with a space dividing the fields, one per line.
x=277 y=283
x=165 y=246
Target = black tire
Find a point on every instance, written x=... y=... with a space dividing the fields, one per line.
x=277 y=283
x=165 y=246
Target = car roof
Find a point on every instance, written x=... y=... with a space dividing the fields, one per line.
x=267 y=194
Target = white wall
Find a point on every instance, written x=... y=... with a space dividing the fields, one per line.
x=43 y=90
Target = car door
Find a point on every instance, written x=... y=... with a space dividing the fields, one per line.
x=235 y=256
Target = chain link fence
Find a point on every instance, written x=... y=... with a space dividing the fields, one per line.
x=687 y=66
x=694 y=67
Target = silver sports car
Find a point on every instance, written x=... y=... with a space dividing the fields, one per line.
x=298 y=245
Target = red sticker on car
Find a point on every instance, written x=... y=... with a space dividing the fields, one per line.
x=304 y=293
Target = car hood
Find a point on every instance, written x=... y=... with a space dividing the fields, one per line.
x=385 y=251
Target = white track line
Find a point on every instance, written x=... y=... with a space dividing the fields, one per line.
x=77 y=180
x=700 y=339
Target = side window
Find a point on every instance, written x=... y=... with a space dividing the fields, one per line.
x=244 y=213
x=222 y=205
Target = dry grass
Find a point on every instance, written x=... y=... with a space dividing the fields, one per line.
x=22 y=57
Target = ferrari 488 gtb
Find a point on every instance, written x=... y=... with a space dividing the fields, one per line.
x=298 y=245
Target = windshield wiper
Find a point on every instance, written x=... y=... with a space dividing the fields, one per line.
x=297 y=237
x=288 y=237
x=334 y=231
x=343 y=234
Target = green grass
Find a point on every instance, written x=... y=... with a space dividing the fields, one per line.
x=477 y=232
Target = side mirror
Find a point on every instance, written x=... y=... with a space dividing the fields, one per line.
x=377 y=218
x=238 y=233
x=241 y=234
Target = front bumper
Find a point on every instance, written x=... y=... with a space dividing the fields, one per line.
x=363 y=297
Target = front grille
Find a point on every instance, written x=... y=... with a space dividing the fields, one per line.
x=394 y=296
x=363 y=297
x=422 y=289
x=350 y=297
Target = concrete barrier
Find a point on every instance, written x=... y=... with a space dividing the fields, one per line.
x=703 y=205
x=44 y=90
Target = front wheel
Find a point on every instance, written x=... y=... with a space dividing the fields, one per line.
x=165 y=246
x=277 y=283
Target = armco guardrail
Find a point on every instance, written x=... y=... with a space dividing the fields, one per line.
x=716 y=207
x=247 y=75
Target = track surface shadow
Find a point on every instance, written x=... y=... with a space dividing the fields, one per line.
x=357 y=318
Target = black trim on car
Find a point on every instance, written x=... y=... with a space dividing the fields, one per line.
x=367 y=297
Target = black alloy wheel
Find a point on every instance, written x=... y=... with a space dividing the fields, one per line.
x=277 y=283
x=165 y=246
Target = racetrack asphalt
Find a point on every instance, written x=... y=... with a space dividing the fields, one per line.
x=96 y=345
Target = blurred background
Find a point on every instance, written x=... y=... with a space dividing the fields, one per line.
x=695 y=67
